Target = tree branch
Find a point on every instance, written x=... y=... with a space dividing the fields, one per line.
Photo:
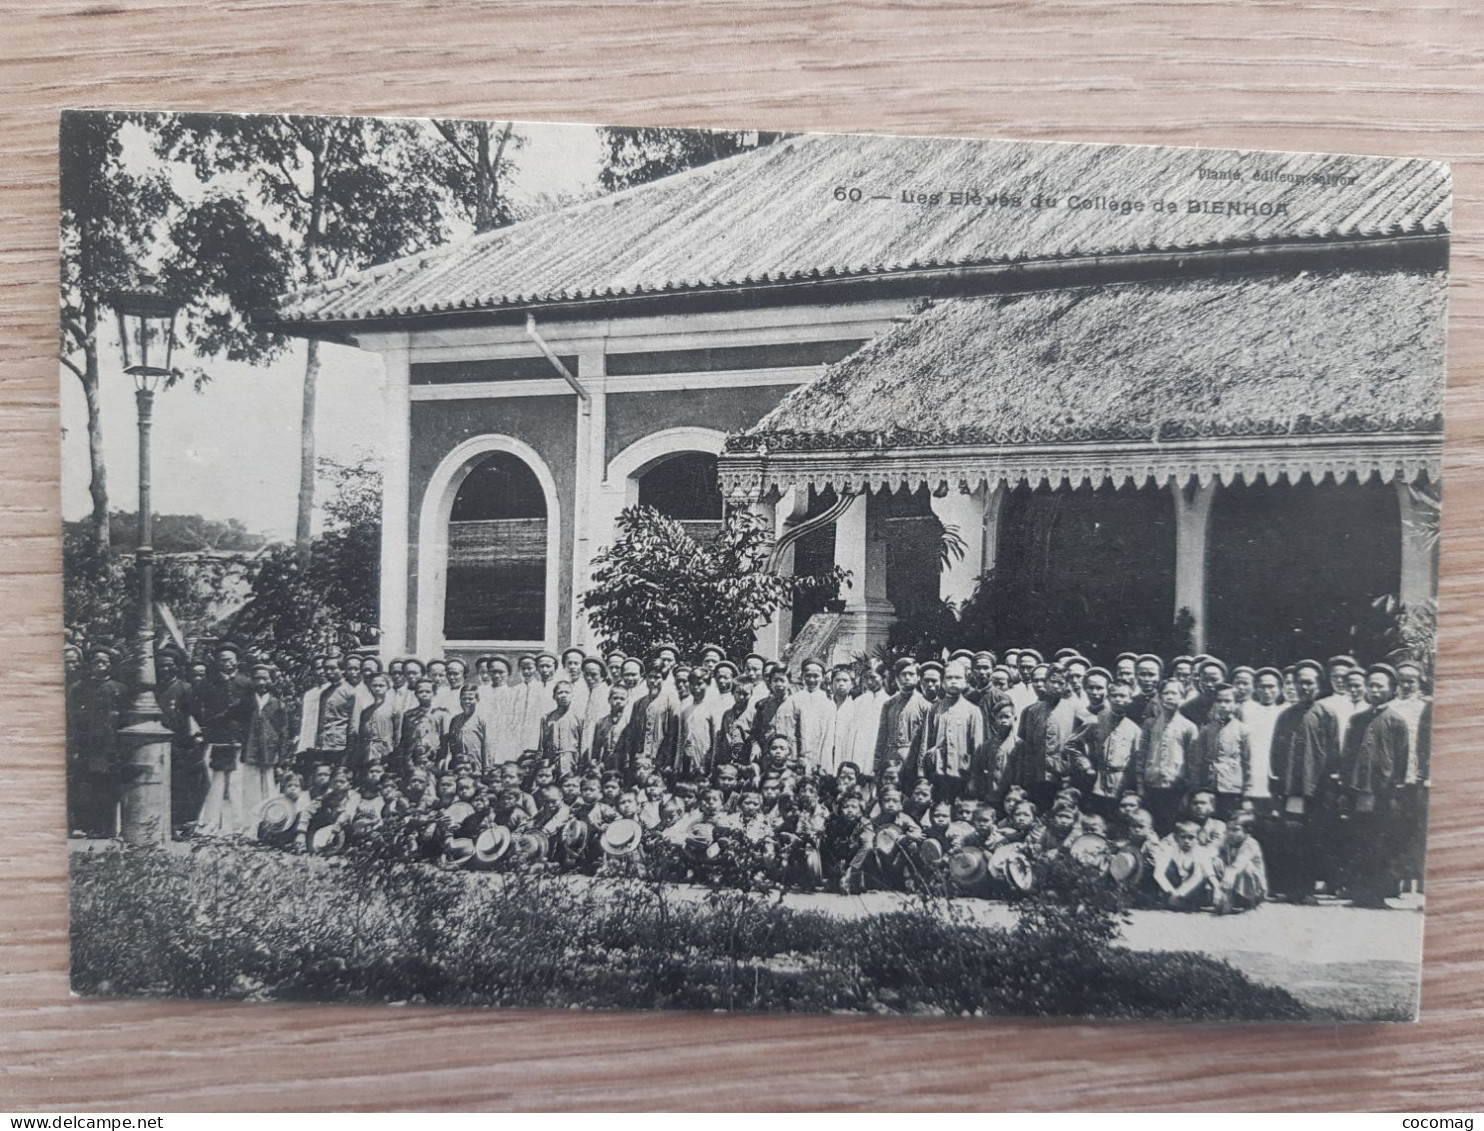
x=453 y=139
x=500 y=149
x=76 y=329
x=289 y=180
x=70 y=365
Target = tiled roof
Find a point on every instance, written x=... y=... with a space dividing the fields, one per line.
x=1234 y=356
x=771 y=216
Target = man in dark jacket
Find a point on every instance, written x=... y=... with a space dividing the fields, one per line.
x=92 y=751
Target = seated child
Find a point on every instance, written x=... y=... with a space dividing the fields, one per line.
x=919 y=803
x=985 y=834
x=1211 y=832
x=841 y=842
x=1024 y=824
x=654 y=798
x=1241 y=875
x=1059 y=831
x=1182 y=870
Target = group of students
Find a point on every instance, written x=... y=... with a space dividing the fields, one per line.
x=580 y=762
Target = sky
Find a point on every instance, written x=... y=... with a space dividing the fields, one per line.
x=232 y=451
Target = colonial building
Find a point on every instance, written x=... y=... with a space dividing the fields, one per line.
x=1134 y=390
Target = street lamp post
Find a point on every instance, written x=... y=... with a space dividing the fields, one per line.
x=146 y=317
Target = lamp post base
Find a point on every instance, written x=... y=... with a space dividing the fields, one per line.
x=144 y=783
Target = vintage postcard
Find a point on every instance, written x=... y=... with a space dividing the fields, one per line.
x=644 y=568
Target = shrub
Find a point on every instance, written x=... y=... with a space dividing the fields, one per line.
x=255 y=924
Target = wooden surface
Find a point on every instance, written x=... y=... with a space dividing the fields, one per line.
x=1384 y=76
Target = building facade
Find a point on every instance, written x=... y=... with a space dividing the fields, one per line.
x=1035 y=374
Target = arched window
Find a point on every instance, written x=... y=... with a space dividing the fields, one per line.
x=497 y=554
x=684 y=487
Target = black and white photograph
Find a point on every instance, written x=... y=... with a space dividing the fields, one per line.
x=640 y=568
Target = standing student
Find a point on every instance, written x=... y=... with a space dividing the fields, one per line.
x=265 y=747
x=561 y=731
x=594 y=699
x=606 y=754
x=1148 y=672
x=423 y=741
x=379 y=728
x=1225 y=753
x=656 y=721
x=698 y=725
x=807 y=717
x=1372 y=772
x=337 y=705
x=223 y=705
x=865 y=731
x=1166 y=756
x=1260 y=714
x=955 y=736
x=466 y=731
x=187 y=773
x=499 y=708
x=1108 y=748
x=92 y=756
x=1306 y=750
x=1040 y=762
x=839 y=746
x=903 y=716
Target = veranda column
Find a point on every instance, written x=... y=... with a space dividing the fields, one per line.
x=765 y=640
x=975 y=515
x=1418 y=503
x=593 y=525
x=396 y=459
x=774 y=636
x=1192 y=525
x=860 y=550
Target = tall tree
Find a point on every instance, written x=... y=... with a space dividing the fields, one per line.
x=111 y=219
x=635 y=155
x=476 y=161
x=344 y=192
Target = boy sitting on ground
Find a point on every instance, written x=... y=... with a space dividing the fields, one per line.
x=1241 y=875
x=1182 y=870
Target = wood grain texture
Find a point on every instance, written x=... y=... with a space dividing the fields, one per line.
x=1383 y=76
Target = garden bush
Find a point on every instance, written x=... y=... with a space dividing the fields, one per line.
x=247 y=923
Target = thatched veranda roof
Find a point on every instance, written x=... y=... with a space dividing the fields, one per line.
x=1140 y=370
x=770 y=217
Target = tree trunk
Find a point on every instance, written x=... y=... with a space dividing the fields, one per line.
x=484 y=212
x=306 y=456
x=98 y=482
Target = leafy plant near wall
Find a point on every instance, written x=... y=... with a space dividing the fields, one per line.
x=658 y=584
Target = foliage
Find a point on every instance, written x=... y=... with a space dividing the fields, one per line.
x=177 y=533
x=1409 y=631
x=657 y=583
x=637 y=155
x=474 y=165
x=100 y=592
x=331 y=195
x=260 y=925
x=925 y=628
x=296 y=610
x=111 y=221
x=224 y=262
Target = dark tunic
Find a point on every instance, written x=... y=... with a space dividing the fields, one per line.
x=1306 y=747
x=222 y=707
x=1374 y=756
x=266 y=741
x=92 y=733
